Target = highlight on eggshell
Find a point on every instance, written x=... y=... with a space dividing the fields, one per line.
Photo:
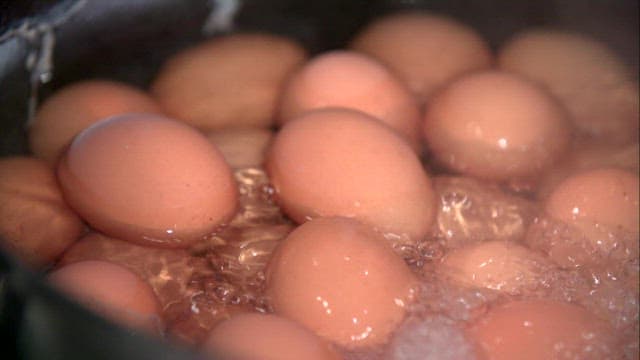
x=148 y=179
x=338 y=162
x=77 y=106
x=351 y=80
x=427 y=50
x=342 y=280
x=229 y=80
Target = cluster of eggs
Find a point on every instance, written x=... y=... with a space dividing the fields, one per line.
x=346 y=165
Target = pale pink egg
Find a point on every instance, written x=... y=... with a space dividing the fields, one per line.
x=342 y=280
x=354 y=81
x=337 y=162
x=495 y=125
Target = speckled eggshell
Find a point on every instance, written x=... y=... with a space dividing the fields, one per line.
x=148 y=179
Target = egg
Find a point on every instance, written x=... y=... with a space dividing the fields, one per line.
x=587 y=155
x=230 y=80
x=593 y=219
x=607 y=196
x=426 y=50
x=242 y=146
x=591 y=81
x=503 y=266
x=338 y=162
x=495 y=125
x=148 y=179
x=36 y=225
x=267 y=337
x=111 y=291
x=351 y=80
x=342 y=280
x=543 y=329
x=75 y=107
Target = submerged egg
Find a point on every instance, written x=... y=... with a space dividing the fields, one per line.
x=342 y=280
x=354 y=81
x=542 y=329
x=338 y=162
x=498 y=265
x=589 y=79
x=427 y=50
x=495 y=125
x=76 y=107
x=148 y=179
x=230 y=80
x=36 y=225
x=111 y=291
x=266 y=337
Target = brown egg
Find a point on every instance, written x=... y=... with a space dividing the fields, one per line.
x=589 y=79
x=542 y=329
x=36 y=225
x=111 y=291
x=76 y=107
x=606 y=196
x=499 y=265
x=587 y=155
x=354 y=81
x=267 y=337
x=232 y=80
x=495 y=125
x=242 y=146
x=342 y=280
x=427 y=50
x=148 y=179
x=338 y=162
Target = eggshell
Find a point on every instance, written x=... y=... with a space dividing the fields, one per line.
x=242 y=146
x=542 y=329
x=228 y=80
x=499 y=265
x=589 y=79
x=148 y=179
x=342 y=280
x=426 y=50
x=268 y=337
x=495 y=125
x=75 y=107
x=607 y=196
x=111 y=291
x=36 y=225
x=338 y=162
x=354 y=81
